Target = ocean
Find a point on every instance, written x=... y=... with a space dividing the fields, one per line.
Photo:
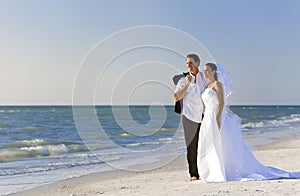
x=42 y=144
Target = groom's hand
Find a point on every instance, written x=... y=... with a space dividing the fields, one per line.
x=180 y=93
x=188 y=79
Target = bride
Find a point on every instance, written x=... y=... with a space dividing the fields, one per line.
x=223 y=155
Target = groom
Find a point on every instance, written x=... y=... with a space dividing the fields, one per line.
x=188 y=90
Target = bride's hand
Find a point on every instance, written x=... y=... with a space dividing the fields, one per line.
x=219 y=123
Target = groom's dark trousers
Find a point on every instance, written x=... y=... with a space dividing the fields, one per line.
x=191 y=135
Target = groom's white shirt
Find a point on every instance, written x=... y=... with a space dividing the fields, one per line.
x=193 y=106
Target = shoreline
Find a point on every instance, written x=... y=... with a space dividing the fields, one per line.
x=171 y=179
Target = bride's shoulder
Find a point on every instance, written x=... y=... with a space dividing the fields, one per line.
x=218 y=85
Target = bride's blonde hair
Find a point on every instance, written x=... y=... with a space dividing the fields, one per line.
x=213 y=67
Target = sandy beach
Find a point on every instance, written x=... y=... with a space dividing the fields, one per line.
x=172 y=179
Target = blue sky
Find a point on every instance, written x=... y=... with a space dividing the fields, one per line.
x=44 y=42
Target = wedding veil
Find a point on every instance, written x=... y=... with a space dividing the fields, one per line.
x=226 y=81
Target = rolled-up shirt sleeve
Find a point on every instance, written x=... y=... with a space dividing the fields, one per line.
x=179 y=85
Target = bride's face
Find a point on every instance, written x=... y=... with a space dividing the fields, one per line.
x=208 y=73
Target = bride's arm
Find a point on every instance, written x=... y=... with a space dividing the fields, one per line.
x=219 y=89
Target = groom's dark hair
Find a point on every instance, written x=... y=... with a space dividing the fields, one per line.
x=195 y=57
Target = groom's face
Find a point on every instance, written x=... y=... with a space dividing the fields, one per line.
x=192 y=66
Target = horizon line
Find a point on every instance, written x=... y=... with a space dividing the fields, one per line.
x=168 y=105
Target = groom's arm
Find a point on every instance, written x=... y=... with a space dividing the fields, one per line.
x=181 y=88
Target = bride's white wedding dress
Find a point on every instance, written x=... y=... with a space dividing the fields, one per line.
x=223 y=154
